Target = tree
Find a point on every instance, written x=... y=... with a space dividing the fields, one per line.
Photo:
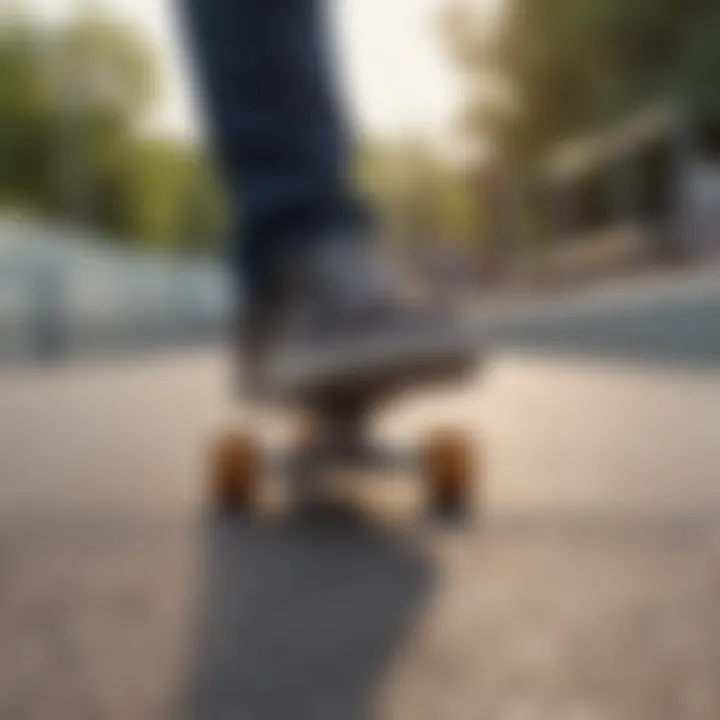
x=424 y=199
x=568 y=67
x=103 y=79
x=174 y=200
x=26 y=163
x=72 y=100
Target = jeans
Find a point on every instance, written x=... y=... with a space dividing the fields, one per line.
x=280 y=141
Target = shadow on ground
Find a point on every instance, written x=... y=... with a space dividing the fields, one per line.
x=299 y=621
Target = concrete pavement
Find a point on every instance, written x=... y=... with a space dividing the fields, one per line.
x=589 y=592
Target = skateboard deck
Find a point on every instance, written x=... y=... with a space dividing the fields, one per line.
x=373 y=370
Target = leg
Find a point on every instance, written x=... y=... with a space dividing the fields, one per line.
x=283 y=149
x=279 y=137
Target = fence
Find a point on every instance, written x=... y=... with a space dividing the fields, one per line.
x=64 y=294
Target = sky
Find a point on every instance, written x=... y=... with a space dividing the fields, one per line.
x=397 y=78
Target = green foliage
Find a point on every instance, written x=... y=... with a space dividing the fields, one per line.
x=423 y=199
x=174 y=200
x=571 y=66
x=106 y=64
x=71 y=98
x=25 y=136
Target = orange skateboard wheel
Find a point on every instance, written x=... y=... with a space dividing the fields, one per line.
x=235 y=473
x=448 y=467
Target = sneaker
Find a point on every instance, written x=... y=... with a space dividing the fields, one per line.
x=344 y=312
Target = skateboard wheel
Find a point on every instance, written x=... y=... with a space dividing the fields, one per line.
x=448 y=470
x=236 y=470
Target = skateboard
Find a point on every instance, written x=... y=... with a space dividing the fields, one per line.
x=336 y=409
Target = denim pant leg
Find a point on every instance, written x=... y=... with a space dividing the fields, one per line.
x=279 y=138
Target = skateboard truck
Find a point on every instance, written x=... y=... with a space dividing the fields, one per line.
x=334 y=435
x=333 y=439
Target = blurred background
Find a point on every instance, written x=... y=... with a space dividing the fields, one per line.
x=505 y=142
x=554 y=166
